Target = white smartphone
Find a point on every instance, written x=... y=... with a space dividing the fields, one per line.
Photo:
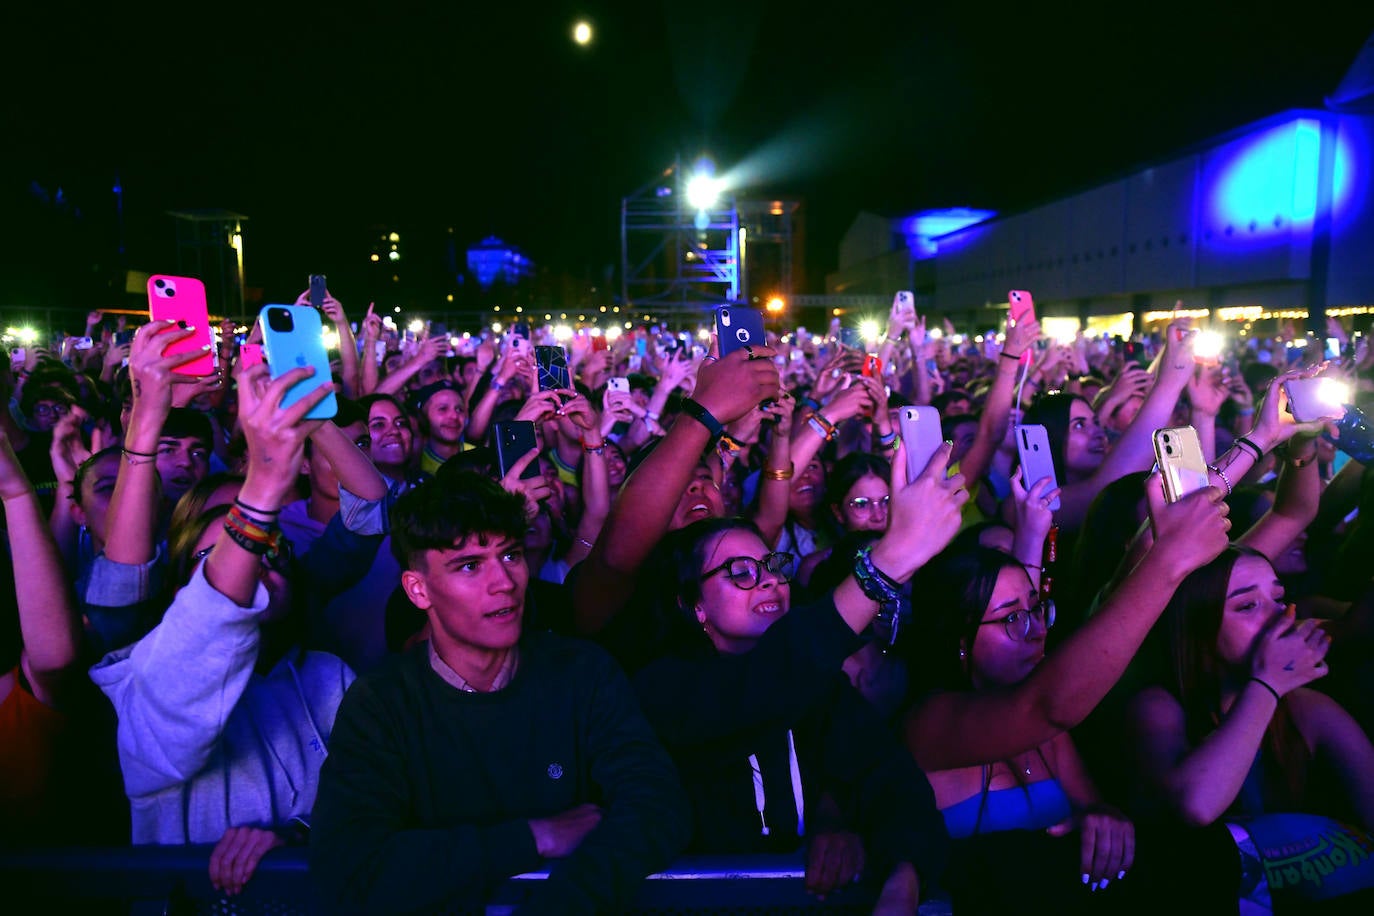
x=619 y=384
x=1316 y=398
x=921 y=438
x=1037 y=461
x=1181 y=462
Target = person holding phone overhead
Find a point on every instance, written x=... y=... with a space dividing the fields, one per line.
x=992 y=713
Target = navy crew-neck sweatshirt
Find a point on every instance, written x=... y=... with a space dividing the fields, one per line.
x=425 y=799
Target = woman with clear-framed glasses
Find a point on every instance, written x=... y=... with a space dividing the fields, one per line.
x=859 y=497
x=991 y=723
x=776 y=749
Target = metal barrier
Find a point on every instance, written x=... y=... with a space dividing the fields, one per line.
x=175 y=880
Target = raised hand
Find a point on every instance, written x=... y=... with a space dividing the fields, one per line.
x=925 y=515
x=1208 y=390
x=68 y=450
x=372 y=324
x=559 y=836
x=275 y=434
x=732 y=386
x=541 y=406
x=1289 y=654
x=1190 y=533
x=1020 y=337
x=534 y=489
x=834 y=860
x=150 y=371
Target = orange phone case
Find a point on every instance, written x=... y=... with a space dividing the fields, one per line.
x=182 y=299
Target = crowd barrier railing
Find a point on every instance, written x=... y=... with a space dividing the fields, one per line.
x=175 y=880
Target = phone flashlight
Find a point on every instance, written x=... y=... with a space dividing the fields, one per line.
x=1333 y=392
x=1207 y=346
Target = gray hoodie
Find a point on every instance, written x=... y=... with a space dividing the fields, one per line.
x=205 y=743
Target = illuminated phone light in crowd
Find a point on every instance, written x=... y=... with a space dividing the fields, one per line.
x=1208 y=345
x=415 y=326
x=1333 y=392
x=869 y=330
x=703 y=334
x=562 y=332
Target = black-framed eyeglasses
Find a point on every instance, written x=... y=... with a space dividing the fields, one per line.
x=745 y=572
x=277 y=558
x=864 y=504
x=1018 y=622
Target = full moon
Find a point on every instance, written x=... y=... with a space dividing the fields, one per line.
x=582 y=33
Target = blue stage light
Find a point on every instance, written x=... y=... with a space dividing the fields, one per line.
x=1271 y=179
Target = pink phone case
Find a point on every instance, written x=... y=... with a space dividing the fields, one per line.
x=251 y=355
x=182 y=299
x=1022 y=309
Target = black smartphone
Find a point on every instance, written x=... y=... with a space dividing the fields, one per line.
x=1134 y=352
x=521 y=329
x=317 y=290
x=851 y=338
x=123 y=337
x=553 y=368
x=514 y=440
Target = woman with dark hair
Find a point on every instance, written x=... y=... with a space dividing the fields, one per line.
x=858 y=497
x=991 y=727
x=774 y=746
x=1234 y=735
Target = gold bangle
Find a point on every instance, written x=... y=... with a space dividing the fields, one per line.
x=775 y=474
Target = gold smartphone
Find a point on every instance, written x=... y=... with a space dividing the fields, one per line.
x=1181 y=462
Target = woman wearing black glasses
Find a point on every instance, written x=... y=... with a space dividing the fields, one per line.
x=991 y=728
x=777 y=751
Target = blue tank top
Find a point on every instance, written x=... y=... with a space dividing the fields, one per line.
x=1034 y=807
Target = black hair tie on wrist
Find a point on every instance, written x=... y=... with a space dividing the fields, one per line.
x=243 y=505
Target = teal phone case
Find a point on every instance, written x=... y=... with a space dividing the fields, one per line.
x=303 y=345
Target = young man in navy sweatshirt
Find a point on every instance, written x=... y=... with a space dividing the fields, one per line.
x=483 y=753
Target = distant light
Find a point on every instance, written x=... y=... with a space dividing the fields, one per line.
x=496 y=308
x=935 y=333
x=394 y=255
x=1299 y=342
x=548 y=318
x=582 y=33
x=703 y=334
x=375 y=258
x=613 y=333
x=836 y=312
x=628 y=325
x=518 y=308
x=415 y=326
x=702 y=191
x=616 y=309
x=331 y=338
x=388 y=323
x=595 y=332
x=496 y=327
x=603 y=308
x=562 y=332
x=563 y=315
x=467 y=335
x=393 y=237
x=454 y=341
x=397 y=309
x=775 y=305
x=1208 y=345
x=236 y=242
x=26 y=335
x=449 y=297
x=869 y=330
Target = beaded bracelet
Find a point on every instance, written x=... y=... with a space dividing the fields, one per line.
x=880 y=589
x=1222 y=474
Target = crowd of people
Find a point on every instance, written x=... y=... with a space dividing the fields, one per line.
x=712 y=611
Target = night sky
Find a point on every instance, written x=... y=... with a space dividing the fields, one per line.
x=491 y=120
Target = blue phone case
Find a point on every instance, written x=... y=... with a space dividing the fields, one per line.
x=738 y=327
x=303 y=345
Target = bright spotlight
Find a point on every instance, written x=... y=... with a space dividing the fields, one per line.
x=562 y=332
x=935 y=333
x=869 y=330
x=775 y=305
x=582 y=33
x=702 y=191
x=703 y=334
x=331 y=338
x=415 y=326
x=496 y=327
x=613 y=334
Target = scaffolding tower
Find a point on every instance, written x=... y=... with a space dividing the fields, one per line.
x=676 y=260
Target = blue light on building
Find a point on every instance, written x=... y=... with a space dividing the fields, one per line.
x=922 y=229
x=494 y=261
x=1270 y=179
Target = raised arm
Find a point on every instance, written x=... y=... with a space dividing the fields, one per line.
x=348 y=347
x=992 y=426
x=968 y=728
x=48 y=622
x=371 y=362
x=1201 y=782
x=426 y=352
x=1134 y=451
x=726 y=389
x=134 y=506
x=1296 y=500
x=775 y=480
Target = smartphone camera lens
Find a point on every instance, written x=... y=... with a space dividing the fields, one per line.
x=1168 y=449
x=280 y=320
